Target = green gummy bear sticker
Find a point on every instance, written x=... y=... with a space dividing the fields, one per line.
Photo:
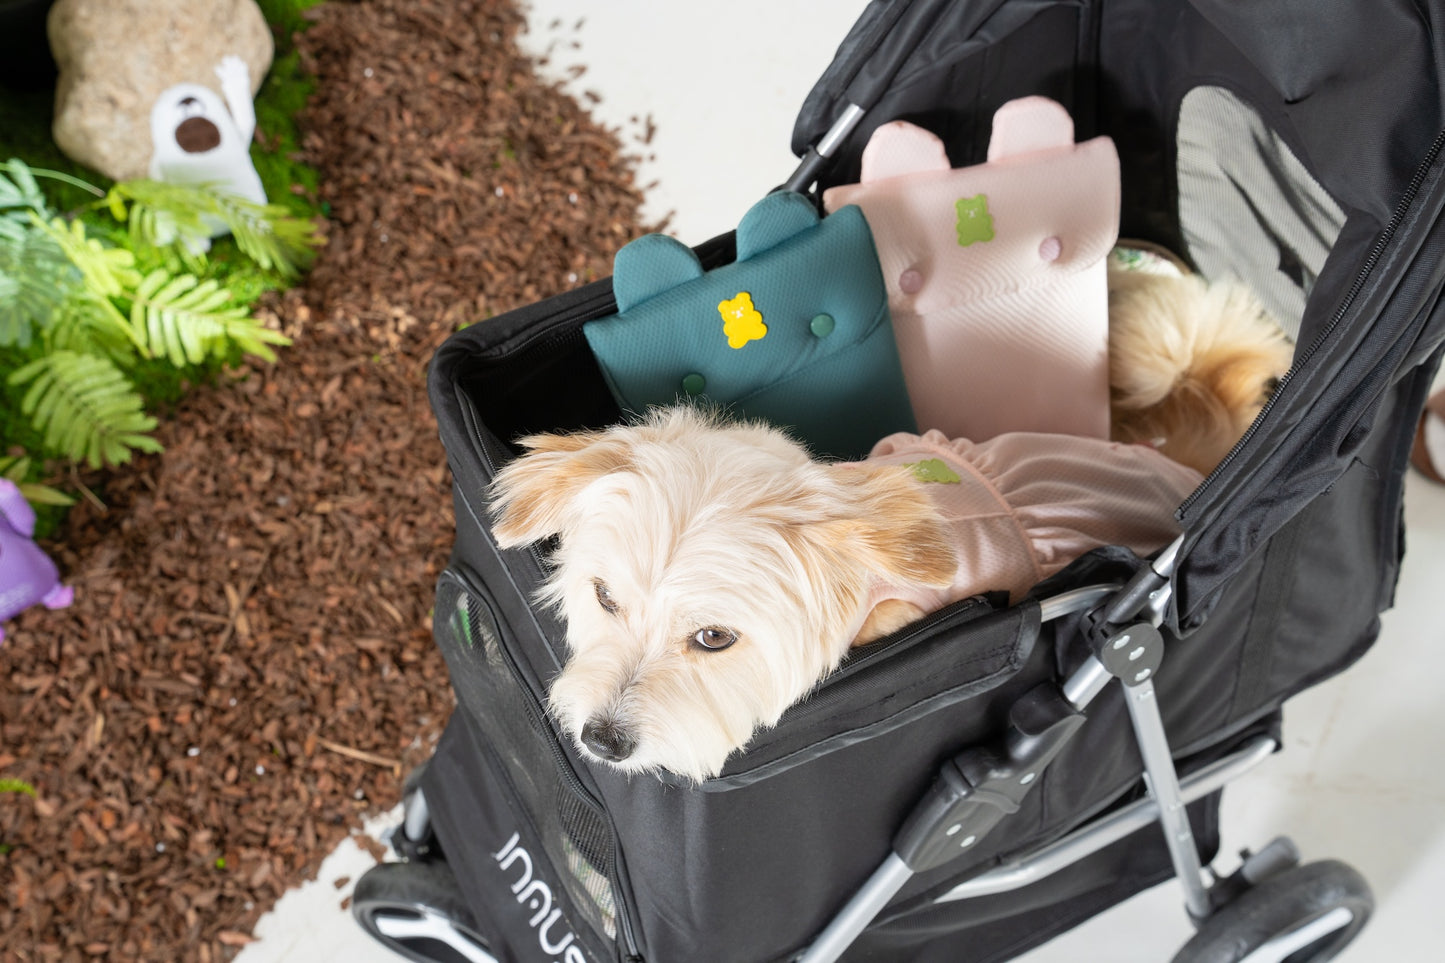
x=975 y=223
x=933 y=470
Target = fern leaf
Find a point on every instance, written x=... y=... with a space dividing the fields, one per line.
x=86 y=323
x=268 y=235
x=85 y=408
x=18 y=190
x=184 y=319
x=163 y=214
x=35 y=278
x=107 y=271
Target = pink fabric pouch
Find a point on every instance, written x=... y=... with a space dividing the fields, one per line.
x=996 y=272
x=1022 y=506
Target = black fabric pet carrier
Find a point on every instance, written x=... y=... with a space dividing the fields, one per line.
x=1296 y=147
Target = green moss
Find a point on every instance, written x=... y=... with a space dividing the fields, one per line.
x=282 y=96
x=286 y=17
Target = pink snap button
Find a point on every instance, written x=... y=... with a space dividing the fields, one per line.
x=1051 y=248
x=910 y=281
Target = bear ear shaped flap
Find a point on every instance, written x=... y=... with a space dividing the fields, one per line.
x=898 y=148
x=650 y=265
x=1029 y=124
x=773 y=220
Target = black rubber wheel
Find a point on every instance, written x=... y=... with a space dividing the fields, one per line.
x=1281 y=905
x=417 y=910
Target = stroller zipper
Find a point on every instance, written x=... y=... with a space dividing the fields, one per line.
x=1376 y=252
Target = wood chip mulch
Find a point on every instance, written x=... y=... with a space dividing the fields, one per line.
x=248 y=668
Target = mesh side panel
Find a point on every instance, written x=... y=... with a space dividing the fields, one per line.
x=576 y=838
x=1247 y=206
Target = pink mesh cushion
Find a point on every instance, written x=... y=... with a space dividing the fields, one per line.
x=996 y=272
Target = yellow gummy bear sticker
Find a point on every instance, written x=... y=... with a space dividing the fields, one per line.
x=741 y=321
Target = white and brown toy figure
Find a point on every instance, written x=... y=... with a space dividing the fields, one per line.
x=116 y=57
x=996 y=272
x=200 y=139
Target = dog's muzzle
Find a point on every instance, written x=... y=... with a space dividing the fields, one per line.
x=607 y=740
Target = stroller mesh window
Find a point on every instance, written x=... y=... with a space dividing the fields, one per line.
x=1254 y=214
x=575 y=836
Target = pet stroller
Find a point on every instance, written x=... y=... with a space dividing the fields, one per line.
x=990 y=777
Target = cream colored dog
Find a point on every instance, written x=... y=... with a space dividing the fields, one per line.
x=1190 y=363
x=712 y=573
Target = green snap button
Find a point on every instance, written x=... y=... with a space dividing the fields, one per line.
x=694 y=384
x=822 y=325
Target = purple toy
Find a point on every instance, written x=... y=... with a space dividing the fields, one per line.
x=27 y=575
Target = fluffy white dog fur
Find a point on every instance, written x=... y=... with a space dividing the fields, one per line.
x=1190 y=363
x=685 y=535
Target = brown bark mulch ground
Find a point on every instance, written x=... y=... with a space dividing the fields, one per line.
x=248 y=667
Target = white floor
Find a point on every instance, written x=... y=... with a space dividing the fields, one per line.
x=1360 y=780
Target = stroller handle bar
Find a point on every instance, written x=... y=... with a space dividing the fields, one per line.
x=816 y=158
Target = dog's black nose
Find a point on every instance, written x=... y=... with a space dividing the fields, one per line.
x=607 y=740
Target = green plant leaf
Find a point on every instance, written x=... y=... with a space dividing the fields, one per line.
x=14 y=467
x=38 y=494
x=18 y=190
x=35 y=277
x=87 y=323
x=185 y=215
x=167 y=216
x=17 y=785
x=107 y=271
x=268 y=235
x=183 y=319
x=17 y=469
x=85 y=408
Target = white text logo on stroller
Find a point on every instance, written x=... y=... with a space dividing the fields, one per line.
x=537 y=895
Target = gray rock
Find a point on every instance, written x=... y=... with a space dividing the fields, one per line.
x=116 y=56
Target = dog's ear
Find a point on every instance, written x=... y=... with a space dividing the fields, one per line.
x=531 y=495
x=870 y=524
x=902 y=536
x=890 y=527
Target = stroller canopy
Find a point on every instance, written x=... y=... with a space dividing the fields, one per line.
x=1332 y=114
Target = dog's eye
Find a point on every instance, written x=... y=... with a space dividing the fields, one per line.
x=714 y=637
x=604 y=596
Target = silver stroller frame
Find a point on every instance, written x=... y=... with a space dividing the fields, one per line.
x=957 y=813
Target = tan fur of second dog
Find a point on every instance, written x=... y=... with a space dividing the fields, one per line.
x=1190 y=363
